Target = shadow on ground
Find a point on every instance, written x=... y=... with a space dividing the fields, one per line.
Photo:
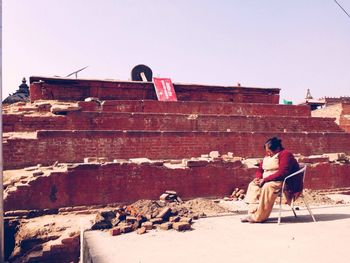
x=308 y=219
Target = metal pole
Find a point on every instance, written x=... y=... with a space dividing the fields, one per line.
x=2 y=253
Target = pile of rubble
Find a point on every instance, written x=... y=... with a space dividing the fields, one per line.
x=144 y=215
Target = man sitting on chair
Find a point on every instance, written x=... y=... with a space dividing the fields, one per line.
x=264 y=189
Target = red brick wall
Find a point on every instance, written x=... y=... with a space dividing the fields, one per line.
x=91 y=184
x=73 y=146
x=167 y=122
x=95 y=184
x=77 y=89
x=328 y=176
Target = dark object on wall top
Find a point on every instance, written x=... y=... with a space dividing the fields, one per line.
x=141 y=73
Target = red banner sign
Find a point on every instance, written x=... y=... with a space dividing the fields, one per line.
x=164 y=89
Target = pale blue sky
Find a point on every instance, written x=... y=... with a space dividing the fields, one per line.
x=289 y=44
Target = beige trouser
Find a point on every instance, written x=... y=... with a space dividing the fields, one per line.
x=261 y=199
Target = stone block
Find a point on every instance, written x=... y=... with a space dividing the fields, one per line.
x=230 y=155
x=181 y=226
x=157 y=220
x=125 y=228
x=108 y=214
x=214 y=154
x=90 y=160
x=130 y=219
x=64 y=108
x=17 y=213
x=141 y=230
x=147 y=225
x=38 y=173
x=94 y=99
x=170 y=192
x=186 y=219
x=313 y=159
x=166 y=226
x=140 y=160
x=333 y=157
x=164 y=213
x=175 y=161
x=193 y=163
x=115 y=231
x=195 y=217
x=102 y=160
x=70 y=240
x=251 y=162
x=101 y=225
x=163 y=197
x=31 y=168
x=174 y=219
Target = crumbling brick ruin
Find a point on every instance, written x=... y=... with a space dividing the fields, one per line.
x=340 y=110
x=90 y=142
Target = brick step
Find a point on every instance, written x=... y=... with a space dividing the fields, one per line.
x=197 y=107
x=46 y=88
x=78 y=120
x=73 y=146
x=342 y=190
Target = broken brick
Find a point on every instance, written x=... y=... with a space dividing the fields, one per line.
x=70 y=240
x=164 y=213
x=157 y=220
x=125 y=228
x=181 y=226
x=163 y=197
x=141 y=230
x=90 y=160
x=37 y=173
x=214 y=154
x=174 y=219
x=196 y=163
x=147 y=225
x=115 y=231
x=130 y=219
x=166 y=226
x=186 y=219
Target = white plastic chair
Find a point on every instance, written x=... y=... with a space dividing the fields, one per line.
x=284 y=185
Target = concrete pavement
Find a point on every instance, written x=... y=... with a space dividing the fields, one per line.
x=226 y=239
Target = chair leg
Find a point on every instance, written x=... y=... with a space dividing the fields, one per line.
x=308 y=208
x=279 y=216
x=292 y=206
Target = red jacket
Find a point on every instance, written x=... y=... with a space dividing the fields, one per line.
x=287 y=165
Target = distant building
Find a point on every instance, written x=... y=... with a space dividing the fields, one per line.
x=22 y=94
x=313 y=103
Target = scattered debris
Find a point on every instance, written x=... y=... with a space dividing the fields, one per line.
x=337 y=157
x=94 y=99
x=237 y=194
x=214 y=154
x=63 y=108
x=170 y=196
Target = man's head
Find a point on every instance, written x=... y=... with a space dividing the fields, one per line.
x=273 y=146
